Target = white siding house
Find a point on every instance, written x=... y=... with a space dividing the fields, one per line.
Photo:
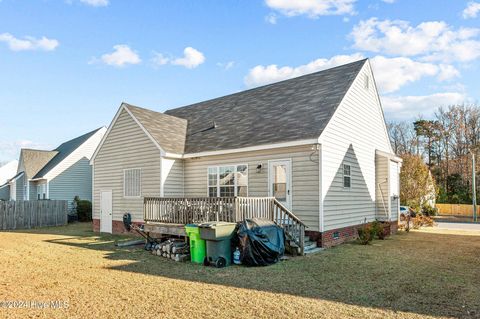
x=317 y=143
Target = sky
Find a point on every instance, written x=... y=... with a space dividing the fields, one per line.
x=67 y=65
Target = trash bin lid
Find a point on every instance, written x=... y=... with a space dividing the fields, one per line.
x=216 y=224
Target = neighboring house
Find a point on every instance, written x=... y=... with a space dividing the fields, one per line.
x=317 y=143
x=7 y=171
x=61 y=174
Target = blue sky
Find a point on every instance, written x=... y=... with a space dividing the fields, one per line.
x=66 y=65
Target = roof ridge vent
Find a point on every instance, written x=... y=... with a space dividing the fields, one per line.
x=211 y=127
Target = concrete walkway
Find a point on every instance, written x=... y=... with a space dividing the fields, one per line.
x=459 y=226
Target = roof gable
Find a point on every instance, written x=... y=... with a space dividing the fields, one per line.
x=168 y=131
x=63 y=151
x=295 y=109
x=32 y=161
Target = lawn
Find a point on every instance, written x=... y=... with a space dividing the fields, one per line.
x=429 y=273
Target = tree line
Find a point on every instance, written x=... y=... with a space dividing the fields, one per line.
x=445 y=143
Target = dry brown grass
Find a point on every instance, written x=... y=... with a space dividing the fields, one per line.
x=421 y=274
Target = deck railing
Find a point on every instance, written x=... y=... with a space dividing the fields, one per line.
x=230 y=209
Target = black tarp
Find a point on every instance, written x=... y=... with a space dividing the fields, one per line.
x=261 y=242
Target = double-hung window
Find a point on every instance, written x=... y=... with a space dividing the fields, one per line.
x=347 y=178
x=228 y=181
x=132 y=179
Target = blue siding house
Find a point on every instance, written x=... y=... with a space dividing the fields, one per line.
x=60 y=174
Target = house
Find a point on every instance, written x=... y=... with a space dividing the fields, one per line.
x=7 y=171
x=60 y=174
x=317 y=143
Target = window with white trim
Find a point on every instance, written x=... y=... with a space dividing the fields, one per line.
x=347 y=178
x=228 y=181
x=132 y=179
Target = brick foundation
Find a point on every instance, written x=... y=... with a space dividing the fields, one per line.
x=338 y=236
x=117 y=227
x=326 y=239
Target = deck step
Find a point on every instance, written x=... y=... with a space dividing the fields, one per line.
x=309 y=245
x=313 y=250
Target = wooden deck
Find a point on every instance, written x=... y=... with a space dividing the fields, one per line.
x=157 y=229
x=169 y=215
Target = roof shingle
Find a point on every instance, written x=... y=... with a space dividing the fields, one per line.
x=290 y=110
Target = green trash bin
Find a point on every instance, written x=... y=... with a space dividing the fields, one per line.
x=197 y=245
x=218 y=236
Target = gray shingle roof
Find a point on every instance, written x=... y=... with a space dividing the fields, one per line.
x=168 y=131
x=290 y=110
x=62 y=152
x=294 y=109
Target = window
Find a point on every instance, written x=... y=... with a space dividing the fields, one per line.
x=42 y=191
x=367 y=82
x=132 y=182
x=347 y=179
x=228 y=181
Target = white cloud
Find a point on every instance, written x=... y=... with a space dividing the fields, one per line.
x=391 y=73
x=271 y=18
x=159 y=59
x=227 y=65
x=312 y=8
x=404 y=107
x=96 y=3
x=430 y=41
x=472 y=10
x=28 y=43
x=260 y=75
x=191 y=58
x=121 y=56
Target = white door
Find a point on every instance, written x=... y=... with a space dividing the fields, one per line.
x=280 y=181
x=106 y=211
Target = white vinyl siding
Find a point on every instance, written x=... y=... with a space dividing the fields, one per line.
x=172 y=177
x=355 y=132
x=132 y=181
x=305 y=198
x=126 y=146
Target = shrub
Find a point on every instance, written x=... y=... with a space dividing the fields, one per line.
x=422 y=221
x=380 y=229
x=84 y=209
x=366 y=233
x=428 y=210
x=417 y=222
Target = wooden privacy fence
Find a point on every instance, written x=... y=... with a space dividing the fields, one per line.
x=456 y=209
x=32 y=213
